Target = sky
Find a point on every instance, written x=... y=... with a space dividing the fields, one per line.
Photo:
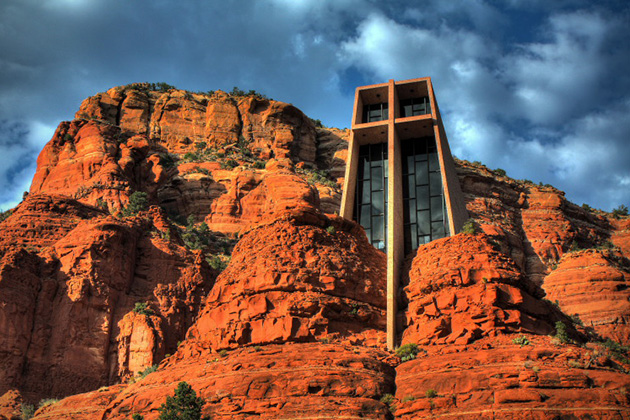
x=538 y=88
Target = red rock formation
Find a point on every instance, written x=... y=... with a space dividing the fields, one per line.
x=41 y=220
x=294 y=327
x=288 y=381
x=595 y=286
x=534 y=225
x=293 y=280
x=497 y=379
x=60 y=309
x=85 y=160
x=461 y=289
x=11 y=405
x=133 y=139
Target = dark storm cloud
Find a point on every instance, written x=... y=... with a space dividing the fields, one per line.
x=524 y=85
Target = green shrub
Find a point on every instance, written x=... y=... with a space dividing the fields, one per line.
x=183 y=405
x=317 y=123
x=561 y=333
x=142 y=308
x=617 y=351
x=148 y=370
x=217 y=262
x=137 y=202
x=576 y=319
x=27 y=411
x=521 y=341
x=314 y=176
x=146 y=86
x=259 y=164
x=469 y=227
x=387 y=399
x=407 y=351
x=575 y=247
x=606 y=245
x=137 y=416
x=167 y=160
x=5 y=214
x=408 y=398
x=622 y=210
x=229 y=164
x=101 y=204
x=223 y=353
x=587 y=207
x=47 y=401
x=331 y=230
x=500 y=172
x=431 y=393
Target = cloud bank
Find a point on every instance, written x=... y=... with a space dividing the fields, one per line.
x=537 y=88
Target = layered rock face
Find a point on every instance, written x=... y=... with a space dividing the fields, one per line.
x=461 y=289
x=66 y=318
x=511 y=319
x=134 y=139
x=574 y=257
x=498 y=379
x=293 y=280
x=287 y=381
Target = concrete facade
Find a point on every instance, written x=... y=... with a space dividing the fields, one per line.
x=392 y=127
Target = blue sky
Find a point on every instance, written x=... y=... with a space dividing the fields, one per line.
x=538 y=88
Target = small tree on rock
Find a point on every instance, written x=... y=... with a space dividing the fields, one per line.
x=137 y=202
x=184 y=405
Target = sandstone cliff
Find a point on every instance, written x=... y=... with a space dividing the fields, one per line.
x=524 y=316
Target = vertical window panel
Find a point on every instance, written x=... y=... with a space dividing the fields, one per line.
x=365 y=193
x=412 y=211
x=423 y=214
x=371 y=199
x=437 y=230
x=378 y=205
x=436 y=209
x=436 y=183
x=424 y=222
x=434 y=164
x=377 y=179
x=378 y=225
x=422 y=175
x=422 y=197
x=414 y=237
x=365 y=216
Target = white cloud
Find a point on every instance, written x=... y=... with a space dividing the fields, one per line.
x=507 y=105
x=533 y=111
x=554 y=80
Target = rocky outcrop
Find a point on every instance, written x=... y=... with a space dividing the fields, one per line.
x=594 y=287
x=194 y=154
x=88 y=161
x=276 y=381
x=533 y=224
x=11 y=405
x=41 y=220
x=461 y=289
x=301 y=277
x=294 y=326
x=65 y=311
x=498 y=379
